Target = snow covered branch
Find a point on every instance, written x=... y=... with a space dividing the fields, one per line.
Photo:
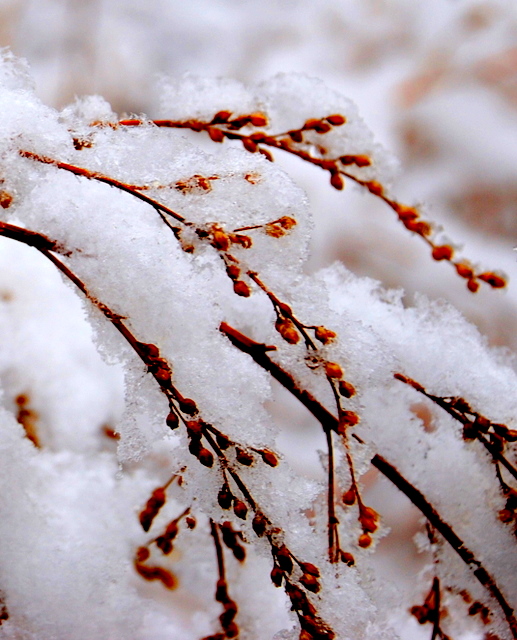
x=188 y=263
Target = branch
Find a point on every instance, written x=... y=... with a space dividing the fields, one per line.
x=307 y=614
x=223 y=126
x=475 y=426
x=330 y=423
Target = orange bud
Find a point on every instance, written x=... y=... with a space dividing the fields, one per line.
x=194 y=427
x=249 y=145
x=274 y=230
x=205 y=457
x=347 y=558
x=164 y=544
x=333 y=370
x=5 y=199
x=421 y=613
x=241 y=288
x=505 y=515
x=464 y=271
x=495 y=281
x=375 y=187
x=283 y=558
x=244 y=457
x=277 y=576
x=469 y=433
x=336 y=119
x=259 y=524
x=445 y=252
x=483 y=424
x=240 y=509
x=346 y=389
x=286 y=222
x=285 y=308
x=369 y=525
x=216 y=135
x=312 y=123
x=269 y=457
x=220 y=240
x=172 y=420
x=157 y=573
x=233 y=271
x=221 y=117
x=267 y=154
x=225 y=497
x=405 y=213
x=188 y=406
x=310 y=582
x=194 y=446
x=365 y=540
x=296 y=135
x=287 y=330
x=258 y=119
x=349 y=497
x=163 y=374
x=172 y=530
x=349 y=417
x=244 y=241
x=418 y=226
x=322 y=127
x=324 y=335
x=362 y=161
x=153 y=506
x=346 y=419
x=336 y=180
x=221 y=591
x=142 y=554
x=308 y=567
x=473 y=285
x=223 y=441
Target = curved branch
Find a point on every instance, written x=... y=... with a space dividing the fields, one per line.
x=305 y=611
x=330 y=423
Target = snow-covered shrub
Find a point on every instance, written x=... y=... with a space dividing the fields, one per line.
x=189 y=264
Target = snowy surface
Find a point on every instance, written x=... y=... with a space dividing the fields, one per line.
x=436 y=85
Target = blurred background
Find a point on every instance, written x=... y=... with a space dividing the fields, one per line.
x=435 y=81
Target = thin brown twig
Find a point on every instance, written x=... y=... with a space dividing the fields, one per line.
x=409 y=216
x=458 y=408
x=93 y=175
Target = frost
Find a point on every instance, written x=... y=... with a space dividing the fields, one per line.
x=122 y=516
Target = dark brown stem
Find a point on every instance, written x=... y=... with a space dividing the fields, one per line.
x=497 y=455
x=279 y=305
x=460 y=416
x=218 y=550
x=436 y=622
x=333 y=531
